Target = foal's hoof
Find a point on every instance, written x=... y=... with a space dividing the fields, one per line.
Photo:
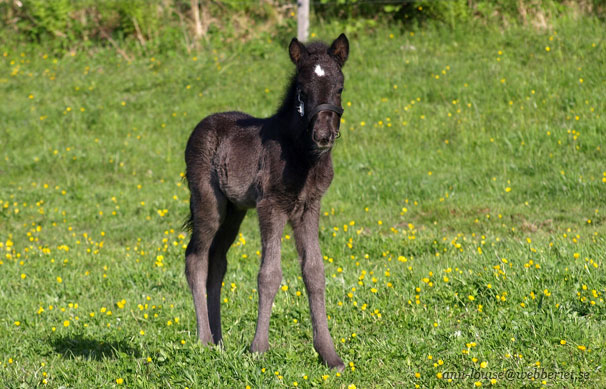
x=206 y=341
x=259 y=347
x=335 y=363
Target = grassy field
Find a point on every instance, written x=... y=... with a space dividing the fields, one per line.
x=464 y=230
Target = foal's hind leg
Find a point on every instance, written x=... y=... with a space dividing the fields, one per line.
x=207 y=206
x=218 y=265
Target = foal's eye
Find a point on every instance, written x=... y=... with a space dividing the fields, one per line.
x=340 y=91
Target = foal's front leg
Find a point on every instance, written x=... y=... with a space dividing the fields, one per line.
x=271 y=223
x=306 y=238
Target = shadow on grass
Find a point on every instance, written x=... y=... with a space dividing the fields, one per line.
x=78 y=346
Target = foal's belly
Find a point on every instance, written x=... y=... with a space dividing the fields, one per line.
x=241 y=195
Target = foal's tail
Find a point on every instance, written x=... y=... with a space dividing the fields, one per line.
x=188 y=223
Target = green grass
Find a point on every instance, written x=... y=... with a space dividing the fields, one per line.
x=465 y=224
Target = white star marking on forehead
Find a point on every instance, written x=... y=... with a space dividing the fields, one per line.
x=319 y=71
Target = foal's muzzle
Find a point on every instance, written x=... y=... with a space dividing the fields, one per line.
x=325 y=128
x=324 y=135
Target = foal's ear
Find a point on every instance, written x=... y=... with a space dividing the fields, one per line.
x=297 y=51
x=340 y=49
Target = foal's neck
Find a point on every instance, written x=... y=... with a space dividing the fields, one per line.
x=287 y=113
x=292 y=129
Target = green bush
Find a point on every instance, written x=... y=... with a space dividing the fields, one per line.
x=65 y=24
x=46 y=19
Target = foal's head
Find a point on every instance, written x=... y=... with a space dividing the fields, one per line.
x=319 y=83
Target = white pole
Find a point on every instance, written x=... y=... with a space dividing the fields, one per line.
x=302 y=20
x=195 y=7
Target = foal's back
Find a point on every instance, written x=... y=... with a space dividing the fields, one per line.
x=221 y=143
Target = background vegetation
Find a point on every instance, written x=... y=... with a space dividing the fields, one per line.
x=168 y=25
x=464 y=229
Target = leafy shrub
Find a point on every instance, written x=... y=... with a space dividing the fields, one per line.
x=152 y=23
